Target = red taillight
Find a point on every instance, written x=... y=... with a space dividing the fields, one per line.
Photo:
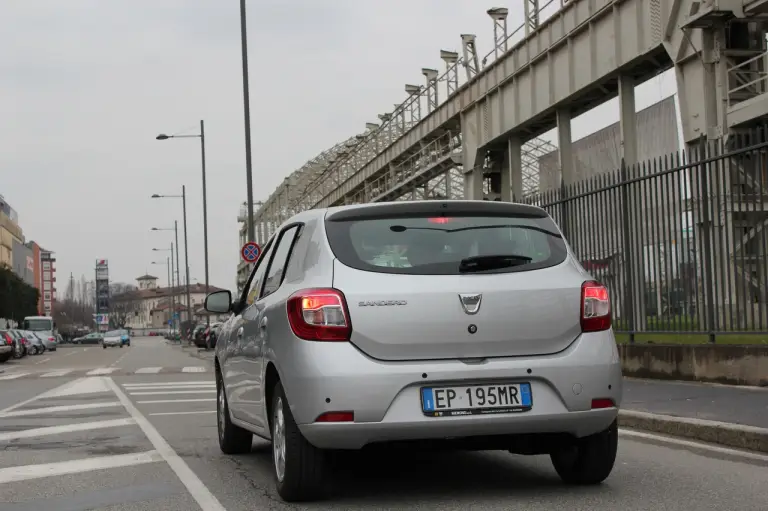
x=51 y=338
x=602 y=402
x=319 y=315
x=595 y=307
x=336 y=417
x=439 y=220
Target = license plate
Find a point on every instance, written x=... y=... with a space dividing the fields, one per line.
x=476 y=399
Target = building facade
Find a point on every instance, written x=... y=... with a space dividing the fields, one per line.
x=151 y=306
x=10 y=232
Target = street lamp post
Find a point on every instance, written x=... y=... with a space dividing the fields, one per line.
x=167 y=264
x=172 y=289
x=183 y=198
x=247 y=119
x=201 y=136
x=176 y=234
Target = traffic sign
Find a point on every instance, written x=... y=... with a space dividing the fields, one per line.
x=250 y=252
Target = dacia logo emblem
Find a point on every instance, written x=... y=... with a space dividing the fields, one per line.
x=470 y=302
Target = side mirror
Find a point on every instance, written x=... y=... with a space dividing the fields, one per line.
x=219 y=302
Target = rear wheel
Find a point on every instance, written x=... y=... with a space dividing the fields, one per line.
x=104 y=346
x=590 y=460
x=300 y=467
x=232 y=439
x=6 y=357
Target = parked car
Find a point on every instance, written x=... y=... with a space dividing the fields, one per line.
x=112 y=338
x=6 y=346
x=35 y=345
x=20 y=349
x=211 y=335
x=468 y=324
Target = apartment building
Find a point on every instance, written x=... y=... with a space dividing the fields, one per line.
x=10 y=232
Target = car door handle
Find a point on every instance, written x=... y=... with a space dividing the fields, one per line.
x=240 y=334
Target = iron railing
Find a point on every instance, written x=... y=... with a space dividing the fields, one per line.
x=680 y=241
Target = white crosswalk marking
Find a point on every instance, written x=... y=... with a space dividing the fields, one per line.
x=148 y=370
x=12 y=376
x=193 y=369
x=166 y=383
x=56 y=374
x=101 y=371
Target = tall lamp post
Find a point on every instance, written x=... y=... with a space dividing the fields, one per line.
x=247 y=119
x=171 y=290
x=176 y=233
x=183 y=198
x=167 y=263
x=201 y=136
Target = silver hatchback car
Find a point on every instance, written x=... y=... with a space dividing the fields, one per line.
x=467 y=324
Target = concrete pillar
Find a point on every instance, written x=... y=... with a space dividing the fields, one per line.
x=565 y=147
x=632 y=212
x=512 y=171
x=473 y=177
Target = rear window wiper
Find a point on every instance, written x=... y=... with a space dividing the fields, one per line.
x=492 y=262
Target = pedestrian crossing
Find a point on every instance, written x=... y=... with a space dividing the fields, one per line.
x=90 y=429
x=103 y=371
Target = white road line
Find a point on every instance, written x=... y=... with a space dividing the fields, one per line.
x=169 y=392
x=113 y=364
x=101 y=370
x=183 y=413
x=148 y=370
x=56 y=374
x=202 y=386
x=43 y=361
x=64 y=428
x=158 y=401
x=690 y=444
x=203 y=496
x=12 y=376
x=63 y=408
x=23 y=473
x=71 y=353
x=194 y=369
x=164 y=383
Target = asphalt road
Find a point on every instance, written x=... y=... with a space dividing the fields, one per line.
x=118 y=440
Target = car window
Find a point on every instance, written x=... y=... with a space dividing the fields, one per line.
x=279 y=261
x=257 y=277
x=445 y=245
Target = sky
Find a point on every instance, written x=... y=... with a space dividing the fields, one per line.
x=86 y=85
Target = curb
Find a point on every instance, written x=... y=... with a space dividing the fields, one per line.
x=731 y=435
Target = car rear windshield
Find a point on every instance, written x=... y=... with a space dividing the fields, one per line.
x=447 y=245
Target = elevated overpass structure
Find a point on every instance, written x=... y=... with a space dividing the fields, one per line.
x=472 y=130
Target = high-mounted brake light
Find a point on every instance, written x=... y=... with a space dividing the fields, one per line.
x=439 y=220
x=319 y=315
x=595 y=307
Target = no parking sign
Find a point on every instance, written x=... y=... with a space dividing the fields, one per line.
x=250 y=252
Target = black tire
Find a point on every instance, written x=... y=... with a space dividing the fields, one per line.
x=5 y=358
x=104 y=346
x=232 y=439
x=306 y=466
x=590 y=461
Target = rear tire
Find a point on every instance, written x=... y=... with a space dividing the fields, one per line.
x=104 y=346
x=232 y=439
x=590 y=460
x=5 y=358
x=303 y=472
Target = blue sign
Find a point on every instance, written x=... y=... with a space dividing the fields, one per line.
x=170 y=322
x=250 y=252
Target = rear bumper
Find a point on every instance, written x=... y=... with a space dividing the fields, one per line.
x=385 y=399
x=5 y=348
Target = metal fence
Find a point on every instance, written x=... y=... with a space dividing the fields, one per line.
x=680 y=241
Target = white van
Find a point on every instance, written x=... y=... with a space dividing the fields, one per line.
x=44 y=327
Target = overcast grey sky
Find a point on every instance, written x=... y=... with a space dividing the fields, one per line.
x=85 y=85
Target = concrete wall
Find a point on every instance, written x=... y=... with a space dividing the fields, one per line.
x=23 y=262
x=730 y=364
